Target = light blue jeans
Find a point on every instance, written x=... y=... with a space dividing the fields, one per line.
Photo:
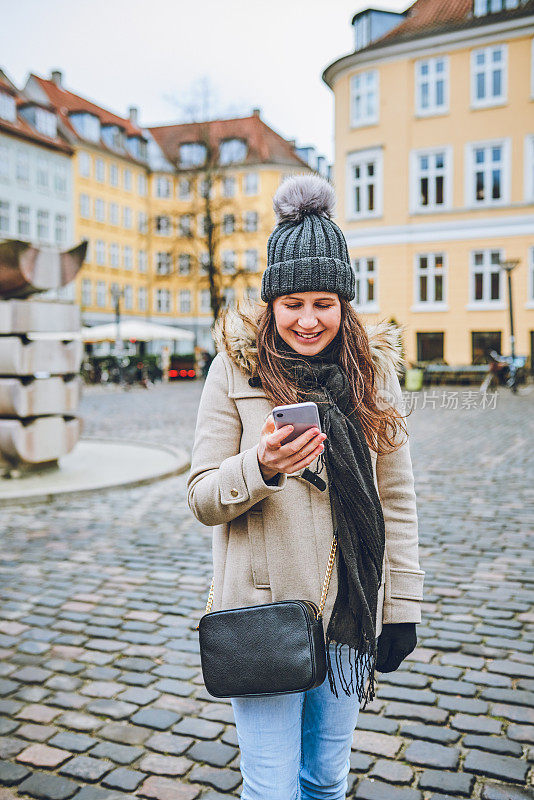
x=297 y=746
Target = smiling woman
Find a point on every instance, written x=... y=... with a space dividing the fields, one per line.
x=307 y=321
x=274 y=527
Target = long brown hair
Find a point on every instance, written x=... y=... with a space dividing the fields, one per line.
x=381 y=424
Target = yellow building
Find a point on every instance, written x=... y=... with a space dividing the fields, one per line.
x=434 y=172
x=111 y=202
x=245 y=160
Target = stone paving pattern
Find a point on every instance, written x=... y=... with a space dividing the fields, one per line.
x=101 y=691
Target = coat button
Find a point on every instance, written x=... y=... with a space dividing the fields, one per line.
x=234 y=492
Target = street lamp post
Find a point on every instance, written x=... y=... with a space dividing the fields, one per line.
x=508 y=266
x=117 y=293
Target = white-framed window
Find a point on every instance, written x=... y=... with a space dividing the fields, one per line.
x=184 y=264
x=184 y=225
x=431 y=179
x=432 y=86
x=22 y=167
x=43 y=225
x=113 y=174
x=100 y=253
x=60 y=181
x=127 y=257
x=60 y=228
x=86 y=124
x=184 y=189
x=163 y=301
x=4 y=162
x=101 y=294
x=430 y=280
x=486 y=279
x=163 y=225
x=23 y=220
x=114 y=213
x=488 y=76
x=128 y=297
x=204 y=300
x=228 y=224
x=204 y=262
x=365 y=284
x=364 y=98
x=114 y=255
x=163 y=186
x=229 y=296
x=163 y=263
x=364 y=184
x=127 y=179
x=192 y=154
x=251 y=260
x=87 y=292
x=228 y=260
x=204 y=186
x=530 y=278
x=184 y=301
x=100 y=170
x=229 y=186
x=252 y=293
x=142 y=222
x=100 y=210
x=483 y=7
x=487 y=173
x=232 y=151
x=127 y=217
x=8 y=107
x=142 y=298
x=85 y=206
x=251 y=221
x=45 y=122
x=251 y=183
x=4 y=216
x=43 y=173
x=202 y=222
x=529 y=166
x=142 y=261
x=142 y=184
x=84 y=164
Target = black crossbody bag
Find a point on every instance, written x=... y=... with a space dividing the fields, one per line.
x=268 y=649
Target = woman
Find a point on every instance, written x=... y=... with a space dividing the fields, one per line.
x=274 y=507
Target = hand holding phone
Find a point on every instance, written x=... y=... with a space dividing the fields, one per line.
x=276 y=454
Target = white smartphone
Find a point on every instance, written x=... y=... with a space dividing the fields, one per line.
x=301 y=415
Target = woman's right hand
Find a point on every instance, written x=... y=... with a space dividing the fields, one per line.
x=274 y=457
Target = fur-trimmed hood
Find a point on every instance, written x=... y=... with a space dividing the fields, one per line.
x=235 y=333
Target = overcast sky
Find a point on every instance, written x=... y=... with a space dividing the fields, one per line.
x=158 y=54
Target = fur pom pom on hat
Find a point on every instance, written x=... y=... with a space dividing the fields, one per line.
x=301 y=195
x=306 y=251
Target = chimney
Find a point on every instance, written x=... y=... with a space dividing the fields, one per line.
x=256 y=112
x=133 y=113
x=57 y=77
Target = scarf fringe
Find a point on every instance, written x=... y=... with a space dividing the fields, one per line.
x=362 y=664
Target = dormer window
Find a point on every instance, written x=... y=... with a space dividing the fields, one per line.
x=46 y=122
x=8 y=109
x=137 y=147
x=232 y=151
x=87 y=125
x=112 y=136
x=192 y=154
x=483 y=7
x=372 y=23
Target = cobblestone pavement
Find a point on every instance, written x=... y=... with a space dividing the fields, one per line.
x=101 y=692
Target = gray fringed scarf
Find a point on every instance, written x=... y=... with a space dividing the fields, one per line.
x=356 y=512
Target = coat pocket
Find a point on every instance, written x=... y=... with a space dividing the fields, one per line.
x=258 y=552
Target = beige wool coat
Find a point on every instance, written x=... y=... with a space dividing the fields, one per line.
x=272 y=543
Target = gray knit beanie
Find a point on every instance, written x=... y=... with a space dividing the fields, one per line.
x=306 y=252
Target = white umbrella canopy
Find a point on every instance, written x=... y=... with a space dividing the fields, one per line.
x=135 y=329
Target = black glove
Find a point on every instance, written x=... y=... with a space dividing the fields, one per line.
x=396 y=641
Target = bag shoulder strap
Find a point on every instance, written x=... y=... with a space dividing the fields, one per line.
x=326 y=582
